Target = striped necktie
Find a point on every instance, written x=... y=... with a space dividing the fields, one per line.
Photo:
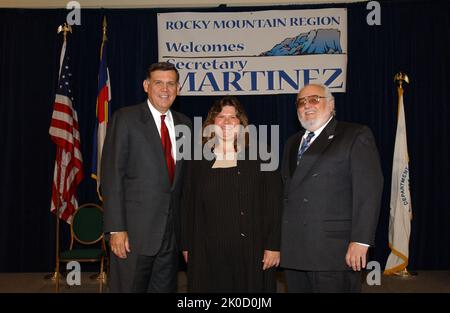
x=304 y=146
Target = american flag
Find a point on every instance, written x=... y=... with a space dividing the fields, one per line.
x=64 y=133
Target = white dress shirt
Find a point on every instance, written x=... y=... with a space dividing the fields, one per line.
x=170 y=126
x=316 y=133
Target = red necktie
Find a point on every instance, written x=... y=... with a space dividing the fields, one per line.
x=167 y=147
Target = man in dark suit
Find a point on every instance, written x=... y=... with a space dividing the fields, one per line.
x=332 y=193
x=141 y=186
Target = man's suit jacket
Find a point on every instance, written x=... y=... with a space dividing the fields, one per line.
x=138 y=196
x=331 y=198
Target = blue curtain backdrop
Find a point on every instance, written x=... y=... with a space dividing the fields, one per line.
x=414 y=37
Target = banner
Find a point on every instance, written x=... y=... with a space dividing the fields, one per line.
x=254 y=53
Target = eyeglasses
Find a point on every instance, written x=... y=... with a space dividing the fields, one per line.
x=313 y=100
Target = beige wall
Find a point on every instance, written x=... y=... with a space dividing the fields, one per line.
x=154 y=3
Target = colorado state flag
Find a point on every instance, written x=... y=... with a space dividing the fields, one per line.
x=102 y=111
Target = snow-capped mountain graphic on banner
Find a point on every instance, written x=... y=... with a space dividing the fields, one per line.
x=317 y=41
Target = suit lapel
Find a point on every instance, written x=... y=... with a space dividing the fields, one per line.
x=314 y=152
x=151 y=133
x=294 y=152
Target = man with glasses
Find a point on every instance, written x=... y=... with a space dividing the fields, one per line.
x=332 y=193
x=141 y=185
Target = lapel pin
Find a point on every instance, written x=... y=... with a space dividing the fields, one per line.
x=330 y=137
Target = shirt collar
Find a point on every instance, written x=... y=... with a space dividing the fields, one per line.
x=318 y=131
x=157 y=115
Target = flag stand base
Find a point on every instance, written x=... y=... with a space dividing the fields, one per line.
x=99 y=276
x=405 y=273
x=51 y=276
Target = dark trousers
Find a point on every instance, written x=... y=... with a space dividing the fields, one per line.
x=142 y=273
x=158 y=273
x=322 y=282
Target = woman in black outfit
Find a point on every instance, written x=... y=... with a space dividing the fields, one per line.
x=230 y=211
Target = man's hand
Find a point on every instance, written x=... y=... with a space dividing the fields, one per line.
x=119 y=244
x=356 y=256
x=185 y=256
x=271 y=259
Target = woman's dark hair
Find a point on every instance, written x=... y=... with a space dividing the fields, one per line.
x=217 y=108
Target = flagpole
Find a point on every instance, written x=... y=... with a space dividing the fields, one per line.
x=104 y=39
x=58 y=204
x=55 y=275
x=104 y=29
x=101 y=276
x=399 y=78
x=98 y=142
x=65 y=28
